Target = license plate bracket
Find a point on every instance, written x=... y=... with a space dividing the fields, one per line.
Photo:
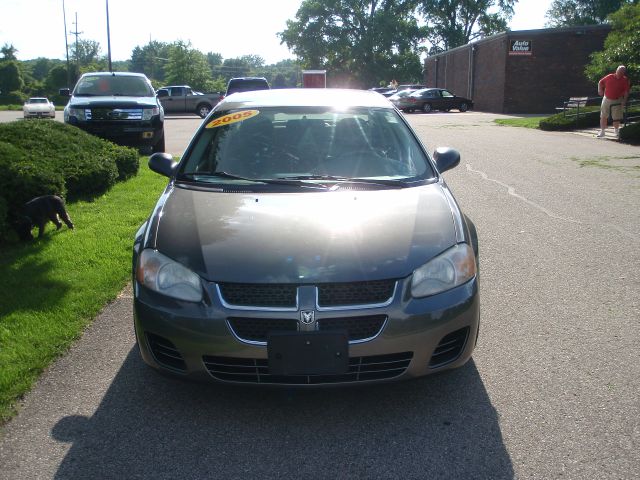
x=308 y=353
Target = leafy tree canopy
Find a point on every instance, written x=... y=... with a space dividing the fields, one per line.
x=570 y=13
x=187 y=66
x=85 y=52
x=622 y=46
x=151 y=59
x=357 y=41
x=453 y=23
x=8 y=52
x=10 y=77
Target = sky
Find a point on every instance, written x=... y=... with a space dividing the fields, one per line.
x=36 y=27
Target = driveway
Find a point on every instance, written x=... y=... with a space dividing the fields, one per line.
x=552 y=390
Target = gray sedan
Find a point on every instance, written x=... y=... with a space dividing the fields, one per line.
x=306 y=238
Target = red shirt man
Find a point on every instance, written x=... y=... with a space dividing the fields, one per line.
x=614 y=89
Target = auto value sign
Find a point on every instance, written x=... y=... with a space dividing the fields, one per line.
x=520 y=47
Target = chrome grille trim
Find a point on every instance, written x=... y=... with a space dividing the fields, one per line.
x=318 y=308
x=263 y=343
x=255 y=308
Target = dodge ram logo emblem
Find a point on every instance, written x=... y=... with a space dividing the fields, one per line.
x=307 y=317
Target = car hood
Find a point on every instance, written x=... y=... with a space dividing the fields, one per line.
x=38 y=107
x=334 y=236
x=112 y=101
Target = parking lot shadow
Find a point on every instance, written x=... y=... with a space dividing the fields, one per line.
x=151 y=426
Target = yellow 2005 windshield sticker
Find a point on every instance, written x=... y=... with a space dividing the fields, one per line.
x=232 y=118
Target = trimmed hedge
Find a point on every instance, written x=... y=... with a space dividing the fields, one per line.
x=589 y=117
x=47 y=157
x=630 y=133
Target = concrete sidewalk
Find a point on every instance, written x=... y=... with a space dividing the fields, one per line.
x=593 y=132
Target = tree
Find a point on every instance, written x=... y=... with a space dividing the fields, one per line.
x=8 y=52
x=10 y=77
x=150 y=59
x=621 y=47
x=235 y=67
x=453 y=23
x=357 y=42
x=569 y=13
x=85 y=52
x=187 y=66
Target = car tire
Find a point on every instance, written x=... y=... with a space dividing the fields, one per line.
x=426 y=108
x=463 y=107
x=159 y=146
x=203 y=110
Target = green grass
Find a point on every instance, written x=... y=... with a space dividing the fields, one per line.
x=529 y=122
x=51 y=288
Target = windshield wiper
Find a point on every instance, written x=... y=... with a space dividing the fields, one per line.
x=339 y=180
x=270 y=181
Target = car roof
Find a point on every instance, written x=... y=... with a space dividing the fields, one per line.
x=115 y=74
x=305 y=97
x=247 y=78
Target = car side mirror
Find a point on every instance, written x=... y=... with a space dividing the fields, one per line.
x=163 y=164
x=64 y=92
x=446 y=158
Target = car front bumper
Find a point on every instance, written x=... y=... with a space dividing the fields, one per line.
x=133 y=134
x=407 y=337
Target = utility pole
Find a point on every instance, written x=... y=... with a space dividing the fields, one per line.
x=108 y=38
x=66 y=45
x=76 y=33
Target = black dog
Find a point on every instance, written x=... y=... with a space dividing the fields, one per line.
x=38 y=211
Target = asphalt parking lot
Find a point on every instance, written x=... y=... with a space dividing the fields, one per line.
x=552 y=390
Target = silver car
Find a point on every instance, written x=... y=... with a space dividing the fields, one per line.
x=306 y=238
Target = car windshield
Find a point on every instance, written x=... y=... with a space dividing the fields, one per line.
x=126 y=86
x=38 y=100
x=306 y=143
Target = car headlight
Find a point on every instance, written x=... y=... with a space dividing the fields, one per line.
x=168 y=277
x=446 y=271
x=148 y=113
x=77 y=112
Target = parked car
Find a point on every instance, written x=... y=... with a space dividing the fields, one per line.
x=399 y=98
x=429 y=99
x=410 y=86
x=118 y=106
x=306 y=238
x=246 y=84
x=383 y=90
x=183 y=99
x=38 y=107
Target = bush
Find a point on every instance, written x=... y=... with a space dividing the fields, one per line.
x=4 y=227
x=47 y=157
x=10 y=98
x=589 y=117
x=90 y=165
x=630 y=133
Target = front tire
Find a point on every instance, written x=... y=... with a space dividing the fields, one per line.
x=203 y=110
x=463 y=107
x=426 y=108
x=159 y=146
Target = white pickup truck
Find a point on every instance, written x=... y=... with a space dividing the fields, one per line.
x=183 y=99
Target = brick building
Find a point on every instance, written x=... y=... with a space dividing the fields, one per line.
x=526 y=71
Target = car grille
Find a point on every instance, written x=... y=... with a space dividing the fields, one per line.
x=253 y=370
x=259 y=295
x=165 y=352
x=329 y=294
x=360 y=293
x=113 y=114
x=449 y=348
x=257 y=329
